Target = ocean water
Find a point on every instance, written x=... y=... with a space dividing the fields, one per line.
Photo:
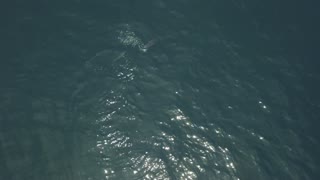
x=159 y=89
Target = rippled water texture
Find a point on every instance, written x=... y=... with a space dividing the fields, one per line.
x=168 y=93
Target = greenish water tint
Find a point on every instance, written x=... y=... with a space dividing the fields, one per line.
x=159 y=90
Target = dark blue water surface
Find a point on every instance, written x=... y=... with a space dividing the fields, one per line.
x=159 y=89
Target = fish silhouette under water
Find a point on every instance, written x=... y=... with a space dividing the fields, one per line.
x=150 y=43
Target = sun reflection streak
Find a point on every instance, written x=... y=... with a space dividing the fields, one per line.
x=205 y=152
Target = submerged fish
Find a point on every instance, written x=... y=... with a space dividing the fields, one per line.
x=150 y=43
